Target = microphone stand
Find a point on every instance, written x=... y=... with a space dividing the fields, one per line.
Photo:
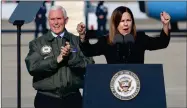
x=18 y=23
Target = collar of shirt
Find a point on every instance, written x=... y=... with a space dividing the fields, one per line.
x=55 y=35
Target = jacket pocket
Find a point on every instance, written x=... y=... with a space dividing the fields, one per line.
x=45 y=84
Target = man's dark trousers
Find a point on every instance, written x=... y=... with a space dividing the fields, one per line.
x=71 y=101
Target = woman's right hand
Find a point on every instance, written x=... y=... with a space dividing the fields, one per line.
x=81 y=29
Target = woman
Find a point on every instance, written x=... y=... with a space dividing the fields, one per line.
x=122 y=22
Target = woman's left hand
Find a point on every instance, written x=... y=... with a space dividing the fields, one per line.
x=165 y=18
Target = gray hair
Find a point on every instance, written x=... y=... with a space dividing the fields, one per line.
x=56 y=7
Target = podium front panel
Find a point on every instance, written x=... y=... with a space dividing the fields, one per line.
x=97 y=92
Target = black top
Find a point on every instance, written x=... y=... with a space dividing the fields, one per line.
x=133 y=54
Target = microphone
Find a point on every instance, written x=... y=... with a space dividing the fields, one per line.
x=129 y=41
x=128 y=38
x=123 y=46
x=118 y=41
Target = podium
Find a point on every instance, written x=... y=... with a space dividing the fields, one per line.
x=124 y=86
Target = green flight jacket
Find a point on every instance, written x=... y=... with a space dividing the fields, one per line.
x=48 y=75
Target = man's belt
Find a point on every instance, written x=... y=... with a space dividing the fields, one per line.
x=59 y=93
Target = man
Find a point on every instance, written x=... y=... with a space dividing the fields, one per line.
x=57 y=64
x=41 y=20
x=101 y=13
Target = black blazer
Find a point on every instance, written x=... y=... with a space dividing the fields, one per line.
x=135 y=54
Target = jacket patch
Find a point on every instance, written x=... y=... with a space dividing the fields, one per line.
x=74 y=49
x=46 y=49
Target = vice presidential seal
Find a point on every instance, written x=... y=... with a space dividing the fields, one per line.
x=125 y=85
x=46 y=49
